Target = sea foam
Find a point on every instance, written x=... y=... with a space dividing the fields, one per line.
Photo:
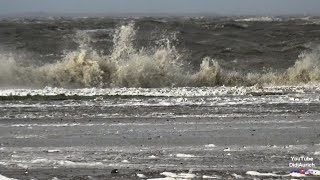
x=152 y=67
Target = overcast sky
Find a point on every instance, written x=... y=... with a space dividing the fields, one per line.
x=162 y=6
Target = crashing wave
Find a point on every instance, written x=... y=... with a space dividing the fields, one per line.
x=154 y=67
x=260 y=19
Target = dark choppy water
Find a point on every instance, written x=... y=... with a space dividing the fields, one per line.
x=105 y=52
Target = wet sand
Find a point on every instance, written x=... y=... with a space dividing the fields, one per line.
x=92 y=148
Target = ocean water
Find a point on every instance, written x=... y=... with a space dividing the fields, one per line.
x=225 y=97
x=159 y=52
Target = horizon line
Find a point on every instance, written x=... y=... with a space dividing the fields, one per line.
x=44 y=14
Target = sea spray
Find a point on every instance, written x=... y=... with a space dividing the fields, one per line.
x=306 y=69
x=160 y=66
x=152 y=67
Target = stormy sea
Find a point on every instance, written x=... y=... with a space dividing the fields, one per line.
x=159 y=98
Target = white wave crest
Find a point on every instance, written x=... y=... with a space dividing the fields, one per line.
x=260 y=19
x=147 y=67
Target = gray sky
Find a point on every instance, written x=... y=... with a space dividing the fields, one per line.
x=162 y=6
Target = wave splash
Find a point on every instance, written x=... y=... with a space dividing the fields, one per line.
x=260 y=19
x=153 y=67
x=124 y=67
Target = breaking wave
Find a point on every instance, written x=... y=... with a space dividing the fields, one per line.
x=160 y=66
x=260 y=19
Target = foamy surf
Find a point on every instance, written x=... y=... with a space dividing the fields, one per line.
x=163 y=92
x=312 y=174
x=174 y=176
x=45 y=162
x=260 y=19
x=185 y=155
x=160 y=66
x=5 y=178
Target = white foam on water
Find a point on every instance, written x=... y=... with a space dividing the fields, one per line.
x=152 y=157
x=61 y=163
x=53 y=151
x=256 y=173
x=47 y=125
x=166 y=178
x=227 y=149
x=141 y=175
x=298 y=175
x=315 y=172
x=169 y=174
x=29 y=126
x=174 y=176
x=209 y=177
x=237 y=176
x=186 y=175
x=162 y=92
x=5 y=178
x=210 y=145
x=96 y=30
x=309 y=172
x=165 y=92
x=185 y=156
x=260 y=19
x=164 y=97
x=27 y=136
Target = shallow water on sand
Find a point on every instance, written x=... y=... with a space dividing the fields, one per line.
x=218 y=132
